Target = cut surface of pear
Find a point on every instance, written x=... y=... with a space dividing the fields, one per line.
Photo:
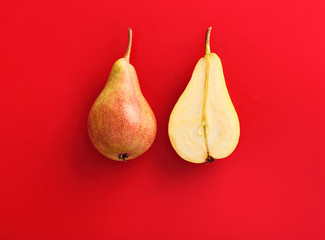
x=204 y=125
x=121 y=124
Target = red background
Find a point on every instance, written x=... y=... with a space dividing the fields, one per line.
x=56 y=57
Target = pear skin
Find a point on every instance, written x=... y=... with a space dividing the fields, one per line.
x=204 y=125
x=121 y=124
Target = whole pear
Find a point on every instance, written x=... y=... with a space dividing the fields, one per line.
x=121 y=124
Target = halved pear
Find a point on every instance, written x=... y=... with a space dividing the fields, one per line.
x=204 y=125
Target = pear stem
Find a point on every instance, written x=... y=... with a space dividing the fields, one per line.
x=207 y=41
x=128 y=49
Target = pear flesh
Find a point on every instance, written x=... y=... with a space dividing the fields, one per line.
x=121 y=124
x=204 y=125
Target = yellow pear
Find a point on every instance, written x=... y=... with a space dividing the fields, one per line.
x=204 y=125
x=121 y=124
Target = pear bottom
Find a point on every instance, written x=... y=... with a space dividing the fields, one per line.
x=119 y=130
